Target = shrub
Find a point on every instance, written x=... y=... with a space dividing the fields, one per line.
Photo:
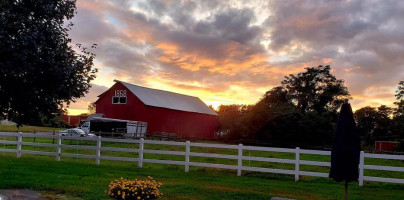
x=400 y=146
x=134 y=189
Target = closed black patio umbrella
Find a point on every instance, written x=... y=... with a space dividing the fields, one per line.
x=346 y=149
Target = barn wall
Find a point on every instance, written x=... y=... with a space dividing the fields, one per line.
x=74 y=119
x=184 y=124
x=385 y=146
x=133 y=109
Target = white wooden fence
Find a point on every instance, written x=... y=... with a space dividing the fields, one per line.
x=186 y=163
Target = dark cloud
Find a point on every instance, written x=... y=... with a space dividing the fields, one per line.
x=124 y=59
x=91 y=27
x=249 y=44
x=232 y=24
x=363 y=38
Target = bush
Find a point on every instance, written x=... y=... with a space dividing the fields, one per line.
x=134 y=189
x=400 y=146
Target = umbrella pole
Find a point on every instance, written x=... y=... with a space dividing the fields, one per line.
x=346 y=190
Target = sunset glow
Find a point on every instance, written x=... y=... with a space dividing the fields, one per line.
x=230 y=52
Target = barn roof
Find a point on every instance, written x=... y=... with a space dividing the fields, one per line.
x=91 y=117
x=170 y=100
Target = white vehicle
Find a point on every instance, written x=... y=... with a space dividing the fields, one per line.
x=73 y=132
x=76 y=132
x=90 y=135
x=86 y=127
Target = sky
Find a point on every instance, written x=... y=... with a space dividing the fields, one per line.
x=232 y=52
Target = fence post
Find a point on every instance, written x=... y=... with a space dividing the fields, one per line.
x=19 y=140
x=240 y=159
x=187 y=151
x=53 y=139
x=141 y=144
x=297 y=164
x=98 y=151
x=59 y=148
x=361 y=167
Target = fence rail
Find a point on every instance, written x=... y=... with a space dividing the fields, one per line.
x=187 y=153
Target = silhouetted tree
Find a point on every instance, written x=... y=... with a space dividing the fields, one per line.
x=397 y=126
x=270 y=111
x=230 y=120
x=316 y=89
x=91 y=108
x=400 y=99
x=374 y=124
x=301 y=112
x=39 y=69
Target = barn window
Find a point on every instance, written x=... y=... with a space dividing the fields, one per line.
x=120 y=97
x=118 y=100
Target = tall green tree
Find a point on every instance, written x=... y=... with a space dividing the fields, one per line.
x=316 y=89
x=40 y=71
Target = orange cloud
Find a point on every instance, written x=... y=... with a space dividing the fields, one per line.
x=222 y=68
x=236 y=58
x=90 y=5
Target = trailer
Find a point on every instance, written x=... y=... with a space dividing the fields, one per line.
x=113 y=127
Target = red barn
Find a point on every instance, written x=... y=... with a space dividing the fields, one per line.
x=385 y=146
x=164 y=111
x=74 y=120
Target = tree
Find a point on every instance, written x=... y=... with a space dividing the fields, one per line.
x=273 y=106
x=400 y=91
x=91 y=108
x=40 y=71
x=374 y=124
x=275 y=120
x=400 y=99
x=230 y=119
x=316 y=89
x=397 y=126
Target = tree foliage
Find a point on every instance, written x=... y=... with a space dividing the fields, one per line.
x=91 y=108
x=301 y=112
x=316 y=89
x=374 y=123
x=230 y=119
x=400 y=91
x=400 y=99
x=397 y=126
x=39 y=69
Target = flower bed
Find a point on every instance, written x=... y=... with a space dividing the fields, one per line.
x=134 y=189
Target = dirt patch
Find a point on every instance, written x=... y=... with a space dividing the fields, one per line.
x=20 y=194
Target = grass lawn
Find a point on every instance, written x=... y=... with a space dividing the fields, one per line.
x=82 y=179
x=24 y=128
x=368 y=161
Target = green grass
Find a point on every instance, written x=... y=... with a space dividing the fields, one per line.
x=24 y=128
x=368 y=161
x=81 y=178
